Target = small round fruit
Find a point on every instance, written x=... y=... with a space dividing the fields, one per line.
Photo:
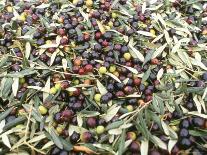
x=59 y=129
x=100 y=129
x=198 y=122
x=57 y=86
x=130 y=108
x=152 y=31
x=184 y=133
x=89 y=3
x=22 y=80
x=88 y=68
x=134 y=146
x=102 y=70
x=97 y=97
x=184 y=123
x=42 y=110
x=74 y=137
x=53 y=90
x=91 y=122
x=86 y=137
x=77 y=62
x=114 y=15
x=131 y=135
x=185 y=143
x=127 y=56
x=141 y=102
x=112 y=68
x=137 y=81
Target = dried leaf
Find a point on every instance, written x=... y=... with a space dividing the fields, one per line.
x=111 y=112
x=145 y=33
x=83 y=149
x=101 y=88
x=2 y=124
x=79 y=120
x=64 y=63
x=144 y=147
x=160 y=74
x=171 y=144
x=5 y=140
x=15 y=86
x=113 y=76
x=197 y=103
x=158 y=51
x=27 y=49
x=159 y=142
x=167 y=37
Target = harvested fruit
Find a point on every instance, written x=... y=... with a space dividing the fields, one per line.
x=102 y=70
x=42 y=110
x=100 y=129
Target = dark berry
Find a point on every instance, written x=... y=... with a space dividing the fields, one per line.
x=91 y=122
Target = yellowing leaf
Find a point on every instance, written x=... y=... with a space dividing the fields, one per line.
x=15 y=85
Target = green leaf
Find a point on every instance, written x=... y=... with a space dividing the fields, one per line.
x=198 y=133
x=148 y=57
x=5 y=113
x=22 y=73
x=146 y=75
x=55 y=138
x=3 y=60
x=6 y=87
x=14 y=122
x=66 y=144
x=122 y=143
x=114 y=125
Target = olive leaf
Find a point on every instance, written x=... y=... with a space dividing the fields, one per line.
x=111 y=112
x=113 y=76
x=101 y=88
x=144 y=147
